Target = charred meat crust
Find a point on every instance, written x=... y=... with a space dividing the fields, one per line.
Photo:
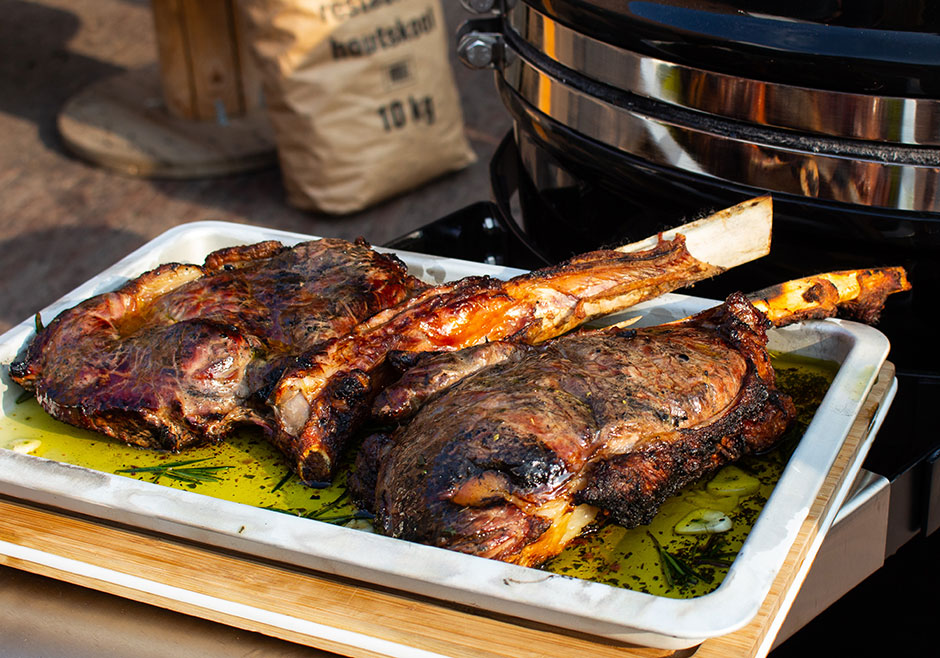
x=427 y=375
x=183 y=353
x=493 y=532
x=242 y=255
x=618 y=419
x=633 y=486
x=361 y=481
x=530 y=308
x=159 y=391
x=458 y=461
x=349 y=399
x=96 y=317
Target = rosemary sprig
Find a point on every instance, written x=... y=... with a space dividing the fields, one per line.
x=346 y=518
x=675 y=569
x=712 y=562
x=710 y=553
x=179 y=471
x=284 y=480
x=319 y=514
x=322 y=514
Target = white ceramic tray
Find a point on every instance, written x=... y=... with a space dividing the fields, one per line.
x=561 y=601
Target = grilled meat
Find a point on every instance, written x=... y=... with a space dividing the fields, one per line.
x=182 y=353
x=857 y=295
x=508 y=451
x=322 y=400
x=325 y=398
x=512 y=450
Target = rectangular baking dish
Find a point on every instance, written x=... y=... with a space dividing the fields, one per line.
x=533 y=595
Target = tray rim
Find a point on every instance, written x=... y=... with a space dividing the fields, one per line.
x=20 y=473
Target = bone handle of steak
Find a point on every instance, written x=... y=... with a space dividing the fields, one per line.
x=727 y=238
x=317 y=410
x=855 y=294
x=718 y=242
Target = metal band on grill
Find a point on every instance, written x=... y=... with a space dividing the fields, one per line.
x=851 y=171
x=908 y=121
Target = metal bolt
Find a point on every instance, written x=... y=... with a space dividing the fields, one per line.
x=476 y=49
x=478 y=6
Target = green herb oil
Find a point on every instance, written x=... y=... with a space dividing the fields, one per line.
x=658 y=559
x=655 y=558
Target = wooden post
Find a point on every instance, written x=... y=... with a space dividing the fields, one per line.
x=205 y=67
x=198 y=112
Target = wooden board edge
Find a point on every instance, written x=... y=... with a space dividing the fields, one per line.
x=391 y=617
x=747 y=641
x=150 y=598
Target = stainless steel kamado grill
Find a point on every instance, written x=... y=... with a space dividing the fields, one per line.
x=630 y=117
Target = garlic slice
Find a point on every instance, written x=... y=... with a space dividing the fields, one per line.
x=703 y=521
x=732 y=481
x=24 y=446
x=360 y=524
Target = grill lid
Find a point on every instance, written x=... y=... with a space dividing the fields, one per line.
x=823 y=143
x=883 y=47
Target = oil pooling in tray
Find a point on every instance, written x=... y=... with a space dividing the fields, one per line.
x=244 y=468
x=689 y=546
x=683 y=553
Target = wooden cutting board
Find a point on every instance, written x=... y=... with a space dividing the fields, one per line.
x=341 y=615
